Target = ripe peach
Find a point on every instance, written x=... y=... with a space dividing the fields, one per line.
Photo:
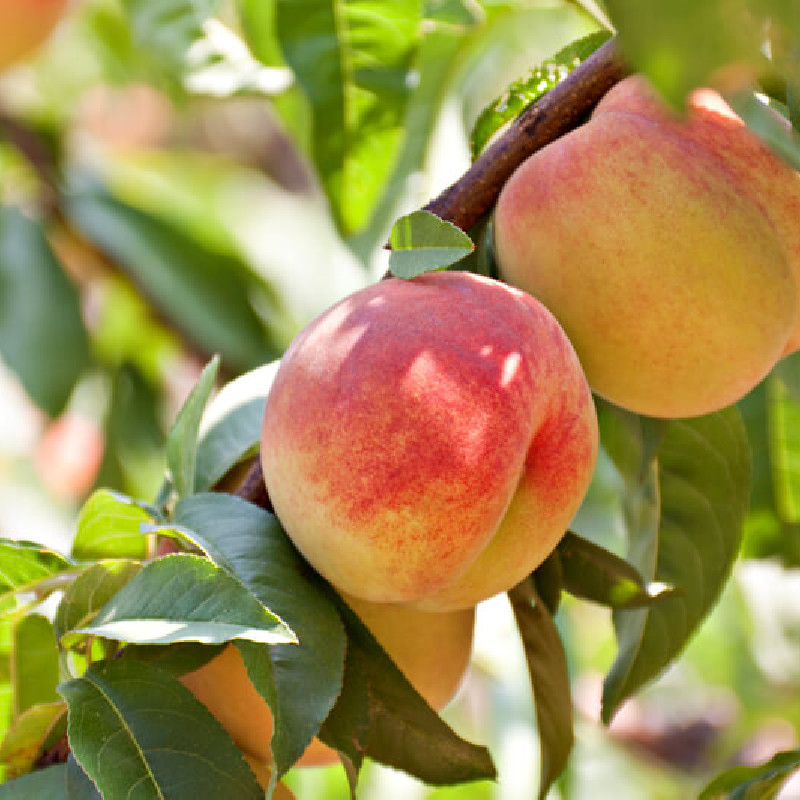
x=428 y=441
x=655 y=253
x=24 y=25
x=431 y=649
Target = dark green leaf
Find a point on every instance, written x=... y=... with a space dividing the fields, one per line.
x=684 y=516
x=761 y=782
x=593 y=573
x=530 y=88
x=34 y=663
x=79 y=784
x=38 y=307
x=134 y=725
x=548 y=580
x=182 y=438
x=233 y=425
x=109 y=526
x=306 y=678
x=23 y=564
x=205 y=294
x=25 y=739
x=547 y=667
x=422 y=242
x=177 y=659
x=182 y=598
x=44 y=784
x=88 y=593
x=404 y=731
x=353 y=61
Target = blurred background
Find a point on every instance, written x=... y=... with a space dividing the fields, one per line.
x=165 y=197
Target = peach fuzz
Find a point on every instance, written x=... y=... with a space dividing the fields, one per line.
x=431 y=649
x=712 y=124
x=428 y=441
x=24 y=25
x=666 y=274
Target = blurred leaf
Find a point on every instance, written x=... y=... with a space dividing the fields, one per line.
x=38 y=307
x=88 y=593
x=302 y=681
x=183 y=597
x=788 y=370
x=109 y=526
x=680 y=43
x=761 y=782
x=353 y=61
x=134 y=725
x=684 y=514
x=205 y=294
x=79 y=784
x=26 y=738
x=784 y=433
x=404 y=731
x=593 y=573
x=44 y=784
x=547 y=667
x=34 y=663
x=23 y=564
x=422 y=242
x=167 y=28
x=182 y=438
x=530 y=88
x=548 y=580
x=232 y=425
x=257 y=18
x=771 y=127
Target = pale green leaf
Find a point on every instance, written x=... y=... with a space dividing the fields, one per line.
x=109 y=526
x=25 y=739
x=34 y=663
x=422 y=242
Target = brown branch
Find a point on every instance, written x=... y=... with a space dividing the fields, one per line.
x=559 y=111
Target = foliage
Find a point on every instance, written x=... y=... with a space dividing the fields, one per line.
x=136 y=180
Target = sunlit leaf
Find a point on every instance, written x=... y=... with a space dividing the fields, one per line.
x=182 y=598
x=23 y=564
x=353 y=61
x=761 y=782
x=109 y=526
x=422 y=242
x=34 y=665
x=25 y=740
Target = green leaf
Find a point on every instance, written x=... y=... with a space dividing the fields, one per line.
x=44 y=784
x=404 y=731
x=109 y=526
x=772 y=128
x=167 y=28
x=422 y=242
x=34 y=664
x=182 y=438
x=784 y=442
x=548 y=580
x=134 y=725
x=79 y=784
x=23 y=564
x=182 y=598
x=177 y=659
x=528 y=89
x=684 y=514
x=680 y=43
x=593 y=573
x=207 y=295
x=761 y=782
x=788 y=370
x=302 y=682
x=38 y=307
x=232 y=425
x=353 y=61
x=26 y=738
x=547 y=667
x=89 y=592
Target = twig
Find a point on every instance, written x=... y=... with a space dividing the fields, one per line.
x=559 y=111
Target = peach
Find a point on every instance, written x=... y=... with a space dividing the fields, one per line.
x=428 y=441
x=649 y=241
x=24 y=25
x=431 y=649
